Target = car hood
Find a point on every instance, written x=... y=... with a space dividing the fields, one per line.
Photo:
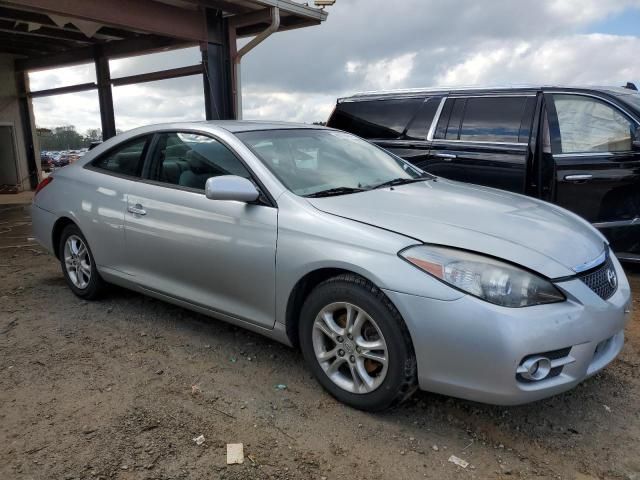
x=523 y=230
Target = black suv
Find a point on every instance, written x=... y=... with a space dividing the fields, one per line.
x=576 y=147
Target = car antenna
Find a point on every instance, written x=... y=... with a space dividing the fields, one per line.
x=631 y=86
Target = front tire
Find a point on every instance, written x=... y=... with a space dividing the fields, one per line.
x=78 y=265
x=357 y=345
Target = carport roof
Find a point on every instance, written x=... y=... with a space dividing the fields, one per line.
x=50 y=33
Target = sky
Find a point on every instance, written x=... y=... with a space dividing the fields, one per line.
x=378 y=44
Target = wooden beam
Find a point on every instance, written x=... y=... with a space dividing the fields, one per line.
x=160 y=75
x=116 y=49
x=13 y=15
x=141 y=15
x=242 y=20
x=81 y=87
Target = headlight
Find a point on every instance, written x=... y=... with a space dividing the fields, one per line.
x=492 y=280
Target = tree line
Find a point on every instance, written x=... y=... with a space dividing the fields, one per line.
x=67 y=138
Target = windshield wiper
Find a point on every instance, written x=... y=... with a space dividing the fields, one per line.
x=335 y=191
x=401 y=181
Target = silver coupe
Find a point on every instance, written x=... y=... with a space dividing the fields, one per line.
x=387 y=278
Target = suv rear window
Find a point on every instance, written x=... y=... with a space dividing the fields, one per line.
x=383 y=119
x=488 y=119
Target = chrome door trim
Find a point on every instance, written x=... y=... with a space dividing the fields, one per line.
x=617 y=223
x=436 y=118
x=590 y=154
x=483 y=142
x=446 y=156
x=578 y=177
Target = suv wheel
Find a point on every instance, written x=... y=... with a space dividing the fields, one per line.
x=357 y=345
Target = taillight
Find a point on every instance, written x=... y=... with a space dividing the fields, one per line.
x=43 y=184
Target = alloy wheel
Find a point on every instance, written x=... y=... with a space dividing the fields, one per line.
x=77 y=261
x=350 y=347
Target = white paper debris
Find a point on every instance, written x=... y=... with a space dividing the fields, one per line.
x=458 y=461
x=199 y=440
x=235 y=453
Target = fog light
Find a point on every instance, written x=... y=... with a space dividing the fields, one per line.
x=535 y=368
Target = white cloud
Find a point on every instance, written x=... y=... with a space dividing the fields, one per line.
x=384 y=73
x=576 y=59
x=295 y=107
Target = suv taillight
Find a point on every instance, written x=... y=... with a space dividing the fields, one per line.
x=43 y=184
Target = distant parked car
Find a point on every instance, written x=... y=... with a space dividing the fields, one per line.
x=46 y=162
x=576 y=147
x=387 y=277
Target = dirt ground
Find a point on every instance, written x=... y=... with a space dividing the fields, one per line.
x=119 y=388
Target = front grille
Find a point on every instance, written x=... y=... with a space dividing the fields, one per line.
x=598 y=279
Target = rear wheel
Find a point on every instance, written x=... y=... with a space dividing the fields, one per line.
x=78 y=265
x=357 y=344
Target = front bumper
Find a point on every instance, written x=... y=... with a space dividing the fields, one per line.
x=471 y=349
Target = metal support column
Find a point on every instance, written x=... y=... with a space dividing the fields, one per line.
x=105 y=97
x=26 y=116
x=217 y=72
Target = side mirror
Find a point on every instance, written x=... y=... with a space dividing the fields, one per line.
x=635 y=140
x=231 y=187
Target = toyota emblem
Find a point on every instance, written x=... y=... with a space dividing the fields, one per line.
x=611 y=278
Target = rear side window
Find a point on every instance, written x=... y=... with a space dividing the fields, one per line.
x=422 y=121
x=383 y=119
x=126 y=159
x=487 y=119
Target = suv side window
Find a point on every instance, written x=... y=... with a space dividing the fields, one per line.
x=493 y=119
x=591 y=125
x=189 y=159
x=487 y=119
x=382 y=119
x=124 y=160
x=419 y=126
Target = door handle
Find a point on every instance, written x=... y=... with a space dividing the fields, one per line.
x=446 y=156
x=137 y=210
x=578 y=178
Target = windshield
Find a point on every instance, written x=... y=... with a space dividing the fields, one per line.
x=310 y=162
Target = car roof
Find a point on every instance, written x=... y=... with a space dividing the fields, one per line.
x=235 y=126
x=483 y=90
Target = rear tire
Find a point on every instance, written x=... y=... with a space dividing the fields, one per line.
x=357 y=345
x=78 y=266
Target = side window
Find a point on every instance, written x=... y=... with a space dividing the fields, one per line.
x=422 y=121
x=453 y=129
x=493 y=119
x=591 y=125
x=383 y=119
x=189 y=159
x=124 y=160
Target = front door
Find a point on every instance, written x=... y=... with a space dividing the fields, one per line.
x=219 y=255
x=597 y=171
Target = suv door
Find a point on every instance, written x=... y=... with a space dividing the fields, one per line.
x=219 y=255
x=483 y=140
x=597 y=170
